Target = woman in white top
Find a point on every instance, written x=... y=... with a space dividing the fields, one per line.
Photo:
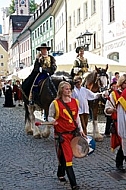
x=83 y=95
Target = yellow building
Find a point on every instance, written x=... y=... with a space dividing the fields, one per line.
x=3 y=58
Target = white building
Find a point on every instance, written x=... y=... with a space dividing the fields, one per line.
x=85 y=15
x=72 y=18
x=114 y=24
x=59 y=11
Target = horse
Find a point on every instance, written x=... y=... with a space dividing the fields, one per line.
x=96 y=81
x=47 y=93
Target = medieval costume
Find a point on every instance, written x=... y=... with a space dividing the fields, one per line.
x=64 y=131
x=110 y=109
x=83 y=95
x=80 y=63
x=121 y=115
x=45 y=66
x=8 y=92
x=17 y=93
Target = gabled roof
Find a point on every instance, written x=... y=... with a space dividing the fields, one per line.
x=4 y=44
x=19 y=22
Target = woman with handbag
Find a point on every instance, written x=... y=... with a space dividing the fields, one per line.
x=64 y=130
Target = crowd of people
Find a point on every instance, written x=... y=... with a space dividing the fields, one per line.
x=77 y=102
x=12 y=93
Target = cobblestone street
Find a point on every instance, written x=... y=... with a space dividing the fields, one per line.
x=31 y=164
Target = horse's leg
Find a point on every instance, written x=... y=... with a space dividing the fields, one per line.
x=28 y=127
x=97 y=136
x=46 y=131
x=84 y=122
x=36 y=131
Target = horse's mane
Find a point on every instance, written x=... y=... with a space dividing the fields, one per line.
x=91 y=77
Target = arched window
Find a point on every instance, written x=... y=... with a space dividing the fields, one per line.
x=114 y=56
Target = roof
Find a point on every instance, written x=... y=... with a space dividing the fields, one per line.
x=19 y=22
x=4 y=44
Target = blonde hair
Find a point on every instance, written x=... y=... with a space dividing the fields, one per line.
x=60 y=89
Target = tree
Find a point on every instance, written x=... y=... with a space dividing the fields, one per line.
x=12 y=7
x=33 y=6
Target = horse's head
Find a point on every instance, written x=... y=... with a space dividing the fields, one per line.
x=102 y=77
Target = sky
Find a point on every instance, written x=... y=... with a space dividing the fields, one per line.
x=6 y=3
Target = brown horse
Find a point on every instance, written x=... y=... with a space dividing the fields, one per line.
x=96 y=81
x=47 y=93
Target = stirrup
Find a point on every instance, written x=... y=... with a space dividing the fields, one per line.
x=31 y=102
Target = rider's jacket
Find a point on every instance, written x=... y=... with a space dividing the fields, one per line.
x=80 y=66
x=48 y=64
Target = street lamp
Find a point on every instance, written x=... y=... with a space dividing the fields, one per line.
x=21 y=65
x=84 y=40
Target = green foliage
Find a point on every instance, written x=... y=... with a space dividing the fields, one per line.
x=12 y=7
x=33 y=6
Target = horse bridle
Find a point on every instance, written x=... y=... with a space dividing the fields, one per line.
x=98 y=80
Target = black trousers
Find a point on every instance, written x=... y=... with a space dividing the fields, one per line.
x=62 y=168
x=108 y=123
x=119 y=157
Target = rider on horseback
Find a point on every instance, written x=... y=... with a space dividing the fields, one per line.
x=45 y=66
x=80 y=63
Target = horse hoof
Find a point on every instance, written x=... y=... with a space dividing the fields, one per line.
x=38 y=136
x=45 y=135
x=30 y=133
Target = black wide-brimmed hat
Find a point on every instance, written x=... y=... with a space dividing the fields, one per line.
x=43 y=45
x=79 y=48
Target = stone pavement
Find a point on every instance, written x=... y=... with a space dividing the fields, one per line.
x=31 y=164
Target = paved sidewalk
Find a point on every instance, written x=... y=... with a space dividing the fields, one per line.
x=31 y=164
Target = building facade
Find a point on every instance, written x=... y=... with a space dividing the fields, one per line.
x=114 y=25
x=42 y=28
x=3 y=58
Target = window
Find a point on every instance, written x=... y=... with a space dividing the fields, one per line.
x=21 y=11
x=1 y=56
x=47 y=25
x=48 y=3
x=85 y=10
x=93 y=6
x=33 y=36
x=43 y=5
x=114 y=56
x=41 y=29
x=69 y=22
x=52 y=44
x=111 y=11
x=62 y=19
x=74 y=18
x=33 y=54
x=38 y=32
x=50 y=22
x=47 y=43
x=70 y=47
x=78 y=16
x=44 y=27
x=1 y=64
x=94 y=40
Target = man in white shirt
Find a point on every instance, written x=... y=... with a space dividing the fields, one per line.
x=83 y=95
